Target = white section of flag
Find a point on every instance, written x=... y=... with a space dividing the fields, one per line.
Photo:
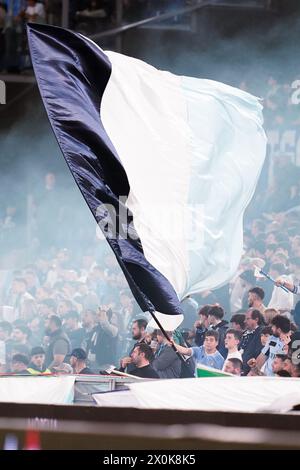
x=194 y=147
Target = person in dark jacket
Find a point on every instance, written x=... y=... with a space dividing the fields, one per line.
x=102 y=345
x=138 y=332
x=250 y=345
x=216 y=322
x=202 y=325
x=75 y=333
x=166 y=362
x=59 y=344
x=78 y=362
x=142 y=355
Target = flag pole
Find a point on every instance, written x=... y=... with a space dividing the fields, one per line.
x=272 y=280
x=166 y=336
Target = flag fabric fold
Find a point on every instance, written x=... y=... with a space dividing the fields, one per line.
x=166 y=164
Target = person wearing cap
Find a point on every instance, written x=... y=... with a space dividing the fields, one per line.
x=37 y=362
x=78 y=362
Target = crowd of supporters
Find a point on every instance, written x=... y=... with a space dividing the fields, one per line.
x=70 y=310
x=69 y=296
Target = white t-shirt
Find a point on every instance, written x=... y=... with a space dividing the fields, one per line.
x=38 y=10
x=280 y=299
x=274 y=346
x=233 y=355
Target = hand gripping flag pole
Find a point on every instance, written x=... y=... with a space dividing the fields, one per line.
x=271 y=279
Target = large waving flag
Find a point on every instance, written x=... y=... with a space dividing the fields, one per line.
x=167 y=164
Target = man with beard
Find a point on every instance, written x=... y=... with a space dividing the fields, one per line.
x=218 y=324
x=59 y=344
x=142 y=356
x=277 y=343
x=138 y=335
x=251 y=345
x=255 y=299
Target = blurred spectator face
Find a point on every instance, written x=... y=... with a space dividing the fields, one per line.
x=271 y=239
x=287 y=365
x=277 y=365
x=73 y=361
x=18 y=336
x=160 y=337
x=101 y=315
x=62 y=256
x=235 y=326
x=41 y=294
x=63 y=308
x=68 y=289
x=253 y=299
x=269 y=253
x=38 y=360
x=137 y=333
x=230 y=341
x=34 y=325
x=88 y=318
x=148 y=338
x=279 y=258
x=264 y=339
x=18 y=287
x=203 y=319
x=269 y=314
x=250 y=323
x=71 y=323
x=30 y=279
x=50 y=326
x=274 y=274
x=137 y=357
x=275 y=331
x=210 y=344
x=230 y=369
x=125 y=300
x=44 y=310
x=18 y=367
